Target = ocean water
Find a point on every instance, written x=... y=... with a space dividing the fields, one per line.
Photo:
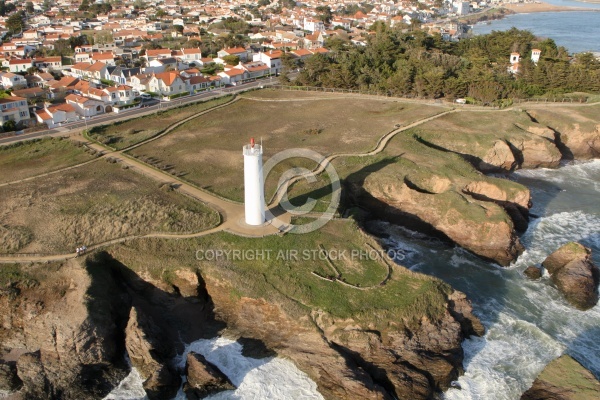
x=578 y=31
x=272 y=378
x=528 y=322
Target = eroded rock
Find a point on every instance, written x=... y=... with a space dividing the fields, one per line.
x=532 y=272
x=574 y=274
x=146 y=346
x=203 y=378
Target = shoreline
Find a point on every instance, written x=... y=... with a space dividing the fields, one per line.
x=527 y=8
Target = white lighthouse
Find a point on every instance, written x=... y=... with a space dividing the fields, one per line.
x=254 y=193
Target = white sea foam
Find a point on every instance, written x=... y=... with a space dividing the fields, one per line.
x=267 y=378
x=503 y=364
x=130 y=388
x=581 y=174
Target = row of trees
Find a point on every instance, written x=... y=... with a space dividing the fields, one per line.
x=415 y=64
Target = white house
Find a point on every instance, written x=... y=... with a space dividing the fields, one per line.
x=272 y=59
x=12 y=81
x=20 y=65
x=313 y=25
x=85 y=106
x=14 y=108
x=167 y=83
x=55 y=115
x=233 y=76
x=241 y=52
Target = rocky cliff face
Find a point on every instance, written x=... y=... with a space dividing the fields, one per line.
x=577 y=133
x=350 y=360
x=471 y=217
x=574 y=274
x=62 y=336
x=112 y=311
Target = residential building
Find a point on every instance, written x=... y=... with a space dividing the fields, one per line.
x=14 y=108
x=57 y=115
x=12 y=81
x=20 y=65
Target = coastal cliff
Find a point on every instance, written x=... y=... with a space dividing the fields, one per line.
x=433 y=182
x=115 y=311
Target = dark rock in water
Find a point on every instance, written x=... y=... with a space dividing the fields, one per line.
x=9 y=380
x=203 y=378
x=532 y=272
x=574 y=274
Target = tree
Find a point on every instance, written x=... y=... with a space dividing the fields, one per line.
x=84 y=6
x=325 y=14
x=231 y=60
x=6 y=8
x=16 y=22
x=9 y=126
x=29 y=7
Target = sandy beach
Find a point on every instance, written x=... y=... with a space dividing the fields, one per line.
x=522 y=8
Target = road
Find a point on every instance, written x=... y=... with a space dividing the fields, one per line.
x=137 y=112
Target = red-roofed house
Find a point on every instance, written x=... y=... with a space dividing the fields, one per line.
x=241 y=52
x=272 y=59
x=20 y=65
x=56 y=115
x=167 y=83
x=153 y=54
x=233 y=76
x=48 y=62
x=86 y=107
x=106 y=58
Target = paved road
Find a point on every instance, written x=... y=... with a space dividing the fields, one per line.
x=136 y=112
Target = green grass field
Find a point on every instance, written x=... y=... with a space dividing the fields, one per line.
x=26 y=159
x=567 y=118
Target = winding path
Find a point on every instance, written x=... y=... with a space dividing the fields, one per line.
x=232 y=213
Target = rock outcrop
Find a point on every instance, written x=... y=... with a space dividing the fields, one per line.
x=349 y=359
x=574 y=274
x=9 y=380
x=583 y=144
x=203 y=378
x=150 y=352
x=482 y=227
x=499 y=157
x=563 y=379
x=532 y=272
x=61 y=334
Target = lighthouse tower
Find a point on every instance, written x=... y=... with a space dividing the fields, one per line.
x=254 y=195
